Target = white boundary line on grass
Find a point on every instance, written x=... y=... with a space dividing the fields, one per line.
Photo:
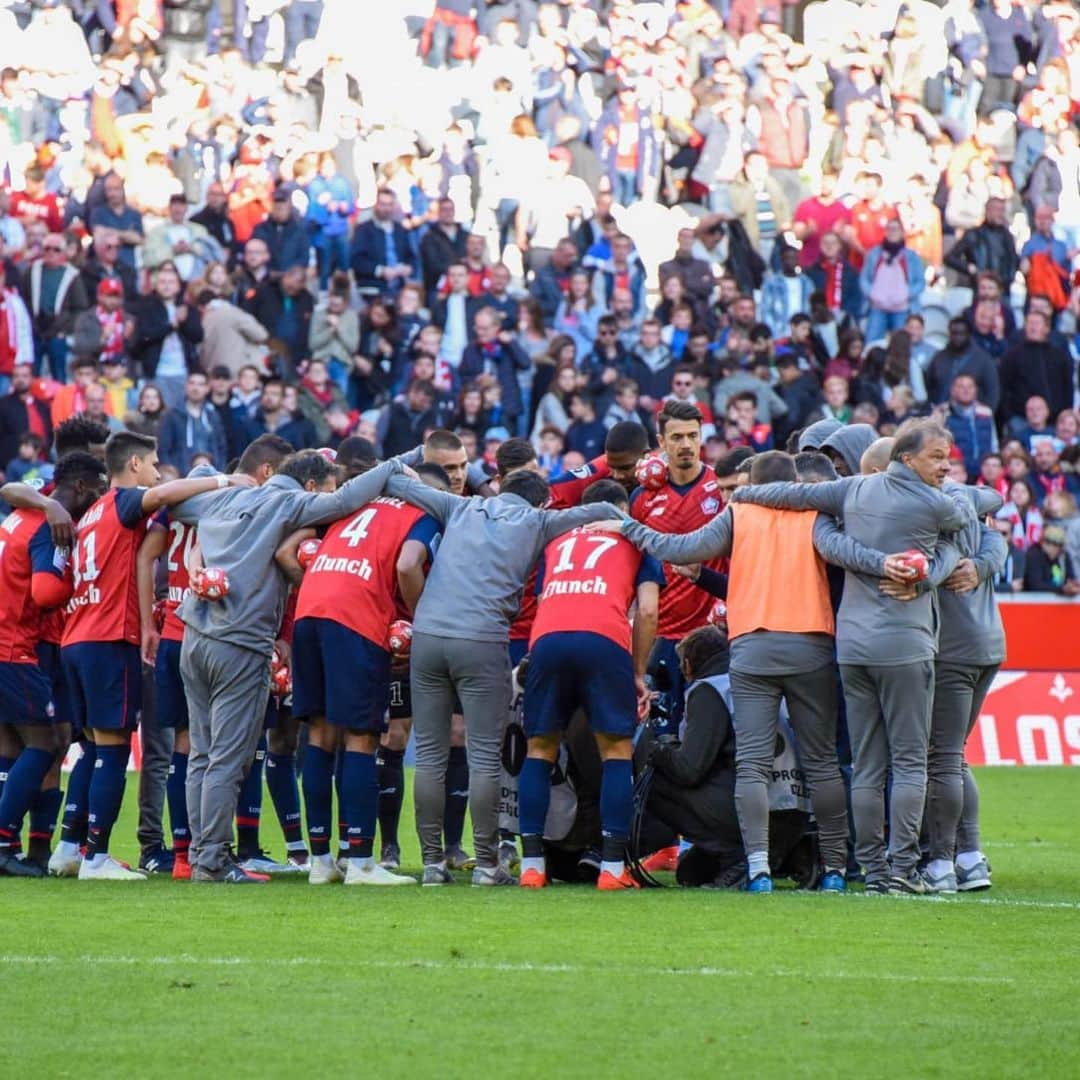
x=483 y=965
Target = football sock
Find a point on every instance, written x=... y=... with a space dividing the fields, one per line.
x=939 y=867
x=391 y=792
x=757 y=862
x=966 y=860
x=534 y=795
x=5 y=767
x=360 y=798
x=318 y=797
x=44 y=811
x=342 y=825
x=285 y=793
x=457 y=796
x=106 y=795
x=616 y=808
x=23 y=783
x=176 y=794
x=249 y=805
x=73 y=826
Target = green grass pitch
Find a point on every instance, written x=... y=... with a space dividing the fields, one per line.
x=169 y=979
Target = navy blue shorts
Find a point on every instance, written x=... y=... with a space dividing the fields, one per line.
x=519 y=647
x=104 y=684
x=340 y=675
x=576 y=668
x=25 y=694
x=48 y=654
x=171 y=699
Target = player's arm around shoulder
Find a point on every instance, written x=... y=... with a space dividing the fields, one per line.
x=175 y=492
x=321 y=508
x=20 y=496
x=439 y=504
x=837 y=547
x=827 y=498
x=556 y=522
x=711 y=541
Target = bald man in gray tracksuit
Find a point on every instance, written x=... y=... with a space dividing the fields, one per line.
x=971 y=647
x=460 y=634
x=886 y=648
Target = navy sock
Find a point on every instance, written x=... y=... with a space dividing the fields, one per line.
x=285 y=793
x=44 y=810
x=457 y=796
x=391 y=792
x=534 y=794
x=5 y=767
x=176 y=793
x=106 y=796
x=249 y=805
x=616 y=806
x=23 y=783
x=318 y=797
x=342 y=826
x=360 y=800
x=73 y=827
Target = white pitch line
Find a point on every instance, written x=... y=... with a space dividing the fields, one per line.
x=484 y=965
x=967 y=901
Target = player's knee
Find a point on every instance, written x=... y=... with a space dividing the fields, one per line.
x=282 y=740
x=544 y=747
x=615 y=747
x=182 y=743
x=361 y=742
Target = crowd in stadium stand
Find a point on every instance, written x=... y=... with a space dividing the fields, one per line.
x=322 y=219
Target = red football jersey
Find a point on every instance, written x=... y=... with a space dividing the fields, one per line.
x=683 y=606
x=178 y=564
x=105 y=603
x=25 y=550
x=353 y=579
x=589 y=581
x=566 y=492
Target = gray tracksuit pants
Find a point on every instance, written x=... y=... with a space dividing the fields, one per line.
x=480 y=674
x=888 y=713
x=157 y=749
x=811 y=702
x=227 y=689
x=953 y=797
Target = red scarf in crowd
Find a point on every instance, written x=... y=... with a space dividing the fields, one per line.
x=112 y=332
x=834 y=282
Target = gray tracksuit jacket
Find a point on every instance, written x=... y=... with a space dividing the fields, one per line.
x=240 y=529
x=851 y=441
x=766 y=651
x=971 y=631
x=891 y=512
x=487 y=549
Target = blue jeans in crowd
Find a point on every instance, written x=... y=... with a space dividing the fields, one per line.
x=332 y=253
x=51 y=352
x=624 y=188
x=881 y=323
x=302 y=18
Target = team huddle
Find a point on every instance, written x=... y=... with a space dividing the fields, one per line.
x=767 y=669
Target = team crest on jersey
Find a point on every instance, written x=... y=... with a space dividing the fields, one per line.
x=709 y=505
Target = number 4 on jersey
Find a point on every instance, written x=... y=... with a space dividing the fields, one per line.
x=357 y=529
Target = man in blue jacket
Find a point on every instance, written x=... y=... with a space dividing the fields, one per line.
x=382 y=258
x=194 y=428
x=284 y=234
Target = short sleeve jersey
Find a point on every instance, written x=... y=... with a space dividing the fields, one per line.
x=26 y=549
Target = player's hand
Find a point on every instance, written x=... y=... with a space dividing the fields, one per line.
x=644 y=697
x=691 y=572
x=897 y=569
x=409 y=471
x=898 y=590
x=963 y=578
x=241 y=480
x=613 y=525
x=150 y=641
x=284 y=651
x=63 y=528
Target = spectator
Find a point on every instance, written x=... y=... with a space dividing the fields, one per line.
x=989 y=291
x=454 y=312
x=234 y=419
x=253 y=272
x=285 y=236
x=273 y=417
x=892 y=282
x=784 y=138
x=626 y=406
x=330 y=207
x=833 y=275
x=115 y=214
x=651 y=365
x=21 y=412
x=1010 y=578
x=586 y=434
x=335 y=331
x=495 y=358
x=403 y=423
x=801 y=393
x=284 y=307
x=100 y=330
x=870 y=217
x=150 y=411
x=961 y=356
x=470 y=413
x=820 y=215
x=317 y=396
x=551 y=208
x=36 y=203
x=1045 y=261
x=1035 y=368
x=53 y=293
x=551 y=282
x=186 y=244
x=625 y=140
x=734 y=380
x=232 y=338
x=1049 y=568
x=971 y=423
x=16 y=331
x=553 y=408
x=694 y=273
x=164 y=344
x=28 y=458
x=1049 y=478
x=1061 y=509
x=1009 y=40
x=96 y=400
x=742 y=427
x=194 y=429
x=1023 y=515
x=12 y=234
x=381 y=254
x=990 y=246
x=836 y=391
x=578 y=315
x=214 y=218
x=442 y=244
x=785 y=294
x=104 y=264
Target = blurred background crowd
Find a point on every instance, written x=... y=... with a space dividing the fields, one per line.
x=319 y=218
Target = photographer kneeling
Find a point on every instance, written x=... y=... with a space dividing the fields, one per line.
x=693 y=788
